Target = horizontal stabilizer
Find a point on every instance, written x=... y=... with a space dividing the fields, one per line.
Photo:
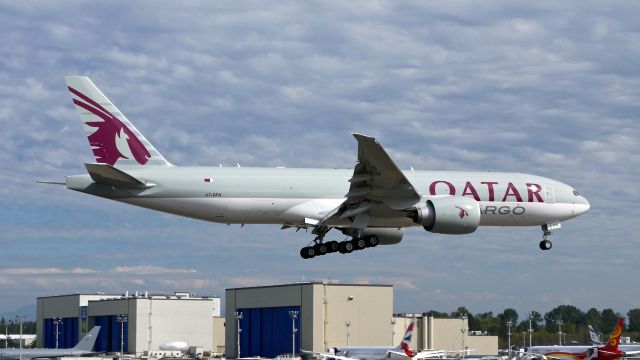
x=109 y=175
x=51 y=182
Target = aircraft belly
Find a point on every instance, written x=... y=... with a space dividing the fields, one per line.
x=296 y=211
x=523 y=214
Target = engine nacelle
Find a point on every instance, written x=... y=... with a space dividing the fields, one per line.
x=448 y=215
x=386 y=236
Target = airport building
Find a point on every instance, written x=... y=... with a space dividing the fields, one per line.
x=142 y=321
x=324 y=314
x=67 y=313
x=264 y=321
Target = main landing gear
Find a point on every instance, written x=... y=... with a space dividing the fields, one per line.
x=545 y=244
x=344 y=247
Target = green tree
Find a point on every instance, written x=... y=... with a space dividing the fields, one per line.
x=609 y=320
x=509 y=314
x=594 y=318
x=535 y=322
x=437 y=314
x=572 y=318
x=633 y=316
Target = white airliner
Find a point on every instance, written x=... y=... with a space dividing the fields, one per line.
x=627 y=348
x=84 y=347
x=403 y=350
x=370 y=204
x=609 y=351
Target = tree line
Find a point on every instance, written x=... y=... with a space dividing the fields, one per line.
x=12 y=327
x=545 y=327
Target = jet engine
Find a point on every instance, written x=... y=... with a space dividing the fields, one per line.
x=448 y=215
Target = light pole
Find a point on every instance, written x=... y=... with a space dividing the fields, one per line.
x=347 y=324
x=524 y=345
x=122 y=318
x=293 y=314
x=238 y=318
x=530 y=328
x=559 y=321
x=463 y=317
x=20 y=320
x=57 y=321
x=6 y=336
x=509 y=324
x=393 y=330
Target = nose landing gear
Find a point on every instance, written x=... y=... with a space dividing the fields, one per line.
x=546 y=244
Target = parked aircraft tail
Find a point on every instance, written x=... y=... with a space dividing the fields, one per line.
x=113 y=139
x=614 y=339
x=406 y=340
x=595 y=339
x=89 y=340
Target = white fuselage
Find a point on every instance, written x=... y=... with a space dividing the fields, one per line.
x=300 y=197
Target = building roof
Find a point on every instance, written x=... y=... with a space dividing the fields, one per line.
x=97 y=293
x=315 y=282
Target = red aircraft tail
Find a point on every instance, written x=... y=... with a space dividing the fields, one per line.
x=614 y=340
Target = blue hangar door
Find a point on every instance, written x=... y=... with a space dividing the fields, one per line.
x=109 y=337
x=266 y=332
x=67 y=333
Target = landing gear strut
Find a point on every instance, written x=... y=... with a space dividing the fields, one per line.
x=545 y=244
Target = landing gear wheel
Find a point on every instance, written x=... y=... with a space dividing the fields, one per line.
x=320 y=249
x=332 y=246
x=346 y=247
x=307 y=252
x=359 y=243
x=372 y=241
x=545 y=245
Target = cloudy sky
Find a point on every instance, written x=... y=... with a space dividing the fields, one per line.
x=550 y=88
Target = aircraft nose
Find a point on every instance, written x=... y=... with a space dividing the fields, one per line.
x=581 y=206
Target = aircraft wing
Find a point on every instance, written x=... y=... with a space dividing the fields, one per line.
x=376 y=181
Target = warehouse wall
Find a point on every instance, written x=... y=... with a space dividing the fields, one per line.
x=276 y=299
x=153 y=321
x=447 y=335
x=368 y=309
x=483 y=345
x=324 y=309
x=218 y=335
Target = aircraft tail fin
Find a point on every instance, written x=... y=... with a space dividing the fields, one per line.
x=595 y=339
x=89 y=340
x=406 y=339
x=614 y=339
x=112 y=137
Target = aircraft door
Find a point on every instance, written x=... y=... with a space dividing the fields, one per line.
x=549 y=195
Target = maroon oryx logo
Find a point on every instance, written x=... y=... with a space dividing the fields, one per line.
x=462 y=212
x=103 y=140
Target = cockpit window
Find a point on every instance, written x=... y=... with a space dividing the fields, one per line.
x=575 y=193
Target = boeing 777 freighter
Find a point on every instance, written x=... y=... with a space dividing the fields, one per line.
x=371 y=204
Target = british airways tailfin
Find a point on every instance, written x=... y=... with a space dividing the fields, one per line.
x=113 y=139
x=406 y=339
